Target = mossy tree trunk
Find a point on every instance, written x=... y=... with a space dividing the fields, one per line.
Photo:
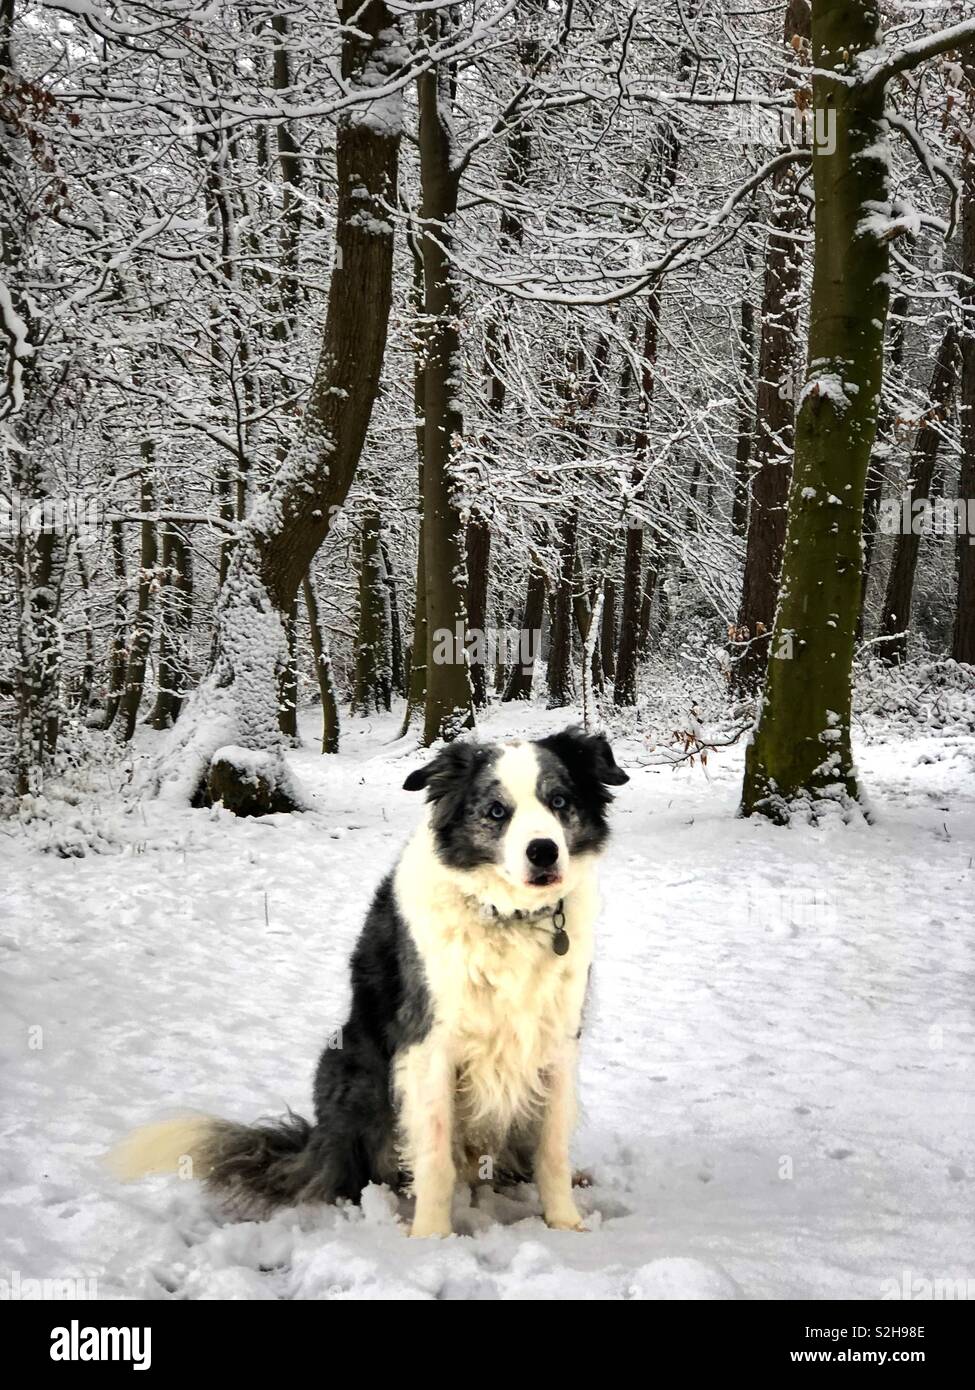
x=800 y=751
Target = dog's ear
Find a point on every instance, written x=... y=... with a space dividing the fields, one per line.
x=453 y=766
x=587 y=757
x=419 y=777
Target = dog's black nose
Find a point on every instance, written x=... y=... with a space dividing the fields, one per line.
x=542 y=853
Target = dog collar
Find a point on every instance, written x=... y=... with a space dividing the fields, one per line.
x=560 y=937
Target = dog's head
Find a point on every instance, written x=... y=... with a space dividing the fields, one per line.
x=520 y=820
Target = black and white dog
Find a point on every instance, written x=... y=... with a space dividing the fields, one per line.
x=468 y=982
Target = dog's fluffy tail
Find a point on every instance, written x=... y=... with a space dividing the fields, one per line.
x=254 y=1168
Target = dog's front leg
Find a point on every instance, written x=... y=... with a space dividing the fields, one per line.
x=553 y=1173
x=427 y=1082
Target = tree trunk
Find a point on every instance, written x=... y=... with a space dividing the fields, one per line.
x=560 y=648
x=896 y=616
x=607 y=635
x=288 y=686
x=120 y=624
x=519 y=686
x=746 y=423
x=581 y=608
x=37 y=558
x=581 y=386
x=448 y=708
x=230 y=363
x=39 y=568
x=511 y=229
x=176 y=626
x=87 y=681
x=141 y=639
x=373 y=676
x=877 y=470
x=323 y=669
x=289 y=161
x=800 y=752
x=646 y=607
x=237 y=703
x=397 y=675
x=963 y=640
x=627 y=656
x=416 y=690
x=478 y=569
x=624 y=690
x=774 y=411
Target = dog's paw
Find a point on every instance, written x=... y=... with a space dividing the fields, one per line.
x=564 y=1221
x=427 y=1230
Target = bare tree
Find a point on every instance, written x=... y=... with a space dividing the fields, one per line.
x=238 y=702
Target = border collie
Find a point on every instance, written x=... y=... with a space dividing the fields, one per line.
x=468 y=981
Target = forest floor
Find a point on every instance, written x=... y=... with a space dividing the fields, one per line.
x=777 y=1072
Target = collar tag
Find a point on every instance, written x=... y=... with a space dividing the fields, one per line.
x=560 y=941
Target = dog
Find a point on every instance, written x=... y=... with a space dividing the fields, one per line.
x=469 y=978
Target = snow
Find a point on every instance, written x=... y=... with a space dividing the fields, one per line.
x=19 y=347
x=777 y=1069
x=827 y=385
x=376 y=225
x=884 y=221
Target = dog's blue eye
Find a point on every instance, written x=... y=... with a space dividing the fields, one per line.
x=558 y=802
x=497 y=811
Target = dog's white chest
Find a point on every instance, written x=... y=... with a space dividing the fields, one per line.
x=506 y=1004
x=503 y=1003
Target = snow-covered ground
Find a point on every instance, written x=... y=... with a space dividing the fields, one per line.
x=778 y=1069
